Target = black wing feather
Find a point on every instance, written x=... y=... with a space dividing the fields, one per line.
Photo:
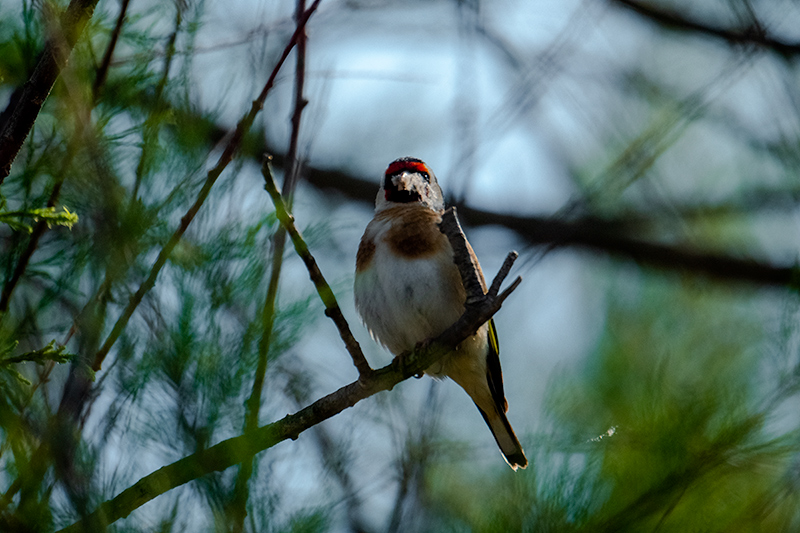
x=494 y=374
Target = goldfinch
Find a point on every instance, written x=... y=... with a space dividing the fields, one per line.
x=408 y=289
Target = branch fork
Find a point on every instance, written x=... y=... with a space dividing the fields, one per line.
x=480 y=306
x=223 y=455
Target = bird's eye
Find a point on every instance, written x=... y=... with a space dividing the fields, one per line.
x=425 y=176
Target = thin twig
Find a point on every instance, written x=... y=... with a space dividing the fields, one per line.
x=152 y=124
x=504 y=270
x=333 y=451
x=753 y=35
x=242 y=448
x=102 y=70
x=150 y=129
x=238 y=507
x=33 y=243
x=231 y=148
x=227 y=155
x=290 y=183
x=324 y=290
x=419 y=453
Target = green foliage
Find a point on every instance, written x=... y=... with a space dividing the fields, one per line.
x=672 y=425
x=677 y=418
x=310 y=522
x=45 y=214
x=187 y=359
x=51 y=352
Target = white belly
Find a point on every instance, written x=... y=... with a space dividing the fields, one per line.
x=406 y=301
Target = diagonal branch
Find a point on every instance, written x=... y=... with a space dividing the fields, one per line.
x=611 y=237
x=463 y=258
x=238 y=507
x=242 y=448
x=227 y=155
x=754 y=34
x=324 y=290
x=26 y=102
x=102 y=70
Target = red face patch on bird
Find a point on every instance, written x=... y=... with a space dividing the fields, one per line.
x=408 y=164
x=399 y=189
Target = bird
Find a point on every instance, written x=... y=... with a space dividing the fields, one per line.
x=408 y=290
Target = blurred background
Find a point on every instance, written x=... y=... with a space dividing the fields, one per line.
x=642 y=156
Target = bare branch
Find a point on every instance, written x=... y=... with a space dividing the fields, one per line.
x=754 y=34
x=26 y=102
x=610 y=237
x=242 y=448
x=102 y=70
x=238 y=507
x=501 y=275
x=606 y=236
x=227 y=155
x=473 y=284
x=324 y=290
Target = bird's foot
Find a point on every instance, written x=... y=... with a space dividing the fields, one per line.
x=421 y=347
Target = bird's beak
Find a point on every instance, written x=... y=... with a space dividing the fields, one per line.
x=403 y=182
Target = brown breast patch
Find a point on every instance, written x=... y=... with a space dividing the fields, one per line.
x=414 y=233
x=366 y=249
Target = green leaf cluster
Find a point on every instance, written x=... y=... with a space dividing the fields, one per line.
x=675 y=423
x=46 y=214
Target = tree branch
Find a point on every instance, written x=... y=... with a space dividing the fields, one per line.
x=463 y=258
x=324 y=290
x=26 y=102
x=242 y=448
x=238 y=507
x=754 y=34
x=102 y=70
x=227 y=156
x=605 y=236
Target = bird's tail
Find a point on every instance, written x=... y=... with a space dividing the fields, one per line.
x=506 y=439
